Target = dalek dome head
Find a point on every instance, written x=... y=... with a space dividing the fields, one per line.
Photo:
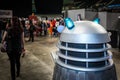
x=85 y=32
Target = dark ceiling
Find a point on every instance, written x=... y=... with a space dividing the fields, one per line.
x=90 y=3
x=93 y=3
x=24 y=7
x=49 y=6
x=19 y=7
x=96 y=5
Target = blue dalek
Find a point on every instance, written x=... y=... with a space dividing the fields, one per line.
x=84 y=53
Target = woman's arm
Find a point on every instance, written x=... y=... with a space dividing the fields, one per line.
x=4 y=36
x=23 y=40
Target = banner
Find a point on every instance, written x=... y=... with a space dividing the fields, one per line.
x=5 y=13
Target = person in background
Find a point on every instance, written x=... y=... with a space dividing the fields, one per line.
x=14 y=37
x=31 y=30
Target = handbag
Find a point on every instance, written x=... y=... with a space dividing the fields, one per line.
x=3 y=47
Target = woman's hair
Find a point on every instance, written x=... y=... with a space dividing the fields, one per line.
x=15 y=21
x=16 y=25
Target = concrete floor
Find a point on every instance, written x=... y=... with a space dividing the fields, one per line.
x=37 y=63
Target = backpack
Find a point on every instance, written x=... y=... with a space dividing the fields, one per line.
x=13 y=41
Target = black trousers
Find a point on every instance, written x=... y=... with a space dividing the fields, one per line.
x=31 y=37
x=0 y=36
x=119 y=40
x=14 y=57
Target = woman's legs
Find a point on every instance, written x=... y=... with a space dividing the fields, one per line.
x=14 y=60
x=12 y=65
x=18 y=63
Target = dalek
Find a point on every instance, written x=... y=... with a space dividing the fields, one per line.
x=83 y=53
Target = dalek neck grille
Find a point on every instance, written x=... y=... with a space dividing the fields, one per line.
x=87 y=56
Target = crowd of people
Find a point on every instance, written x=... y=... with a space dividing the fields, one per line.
x=41 y=27
x=34 y=27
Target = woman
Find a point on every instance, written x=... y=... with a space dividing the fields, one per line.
x=14 y=37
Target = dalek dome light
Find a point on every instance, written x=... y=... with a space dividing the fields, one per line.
x=85 y=32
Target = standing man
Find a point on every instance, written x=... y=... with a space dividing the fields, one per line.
x=31 y=30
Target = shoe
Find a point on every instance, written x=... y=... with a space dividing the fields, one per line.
x=18 y=75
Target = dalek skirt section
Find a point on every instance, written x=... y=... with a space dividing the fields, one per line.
x=84 y=53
